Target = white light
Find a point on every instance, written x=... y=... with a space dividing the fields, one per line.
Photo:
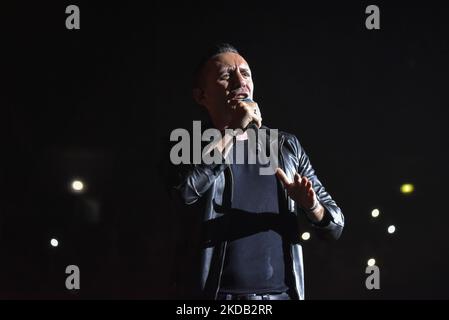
x=305 y=236
x=391 y=229
x=375 y=213
x=77 y=186
x=54 y=242
x=371 y=262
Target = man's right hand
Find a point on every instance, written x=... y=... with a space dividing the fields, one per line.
x=243 y=113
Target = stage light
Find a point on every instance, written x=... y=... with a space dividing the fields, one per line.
x=77 y=186
x=371 y=262
x=407 y=188
x=391 y=229
x=305 y=236
x=54 y=242
x=375 y=213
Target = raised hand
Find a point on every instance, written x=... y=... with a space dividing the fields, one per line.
x=301 y=191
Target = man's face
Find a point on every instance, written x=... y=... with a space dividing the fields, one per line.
x=226 y=78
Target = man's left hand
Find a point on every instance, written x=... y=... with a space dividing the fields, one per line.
x=301 y=191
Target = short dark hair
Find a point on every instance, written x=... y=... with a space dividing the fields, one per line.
x=213 y=51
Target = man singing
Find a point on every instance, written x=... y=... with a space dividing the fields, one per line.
x=248 y=229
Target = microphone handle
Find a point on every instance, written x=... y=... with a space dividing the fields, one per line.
x=252 y=125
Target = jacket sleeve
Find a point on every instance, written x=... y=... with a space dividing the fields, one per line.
x=333 y=220
x=194 y=180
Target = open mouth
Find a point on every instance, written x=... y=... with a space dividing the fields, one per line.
x=241 y=96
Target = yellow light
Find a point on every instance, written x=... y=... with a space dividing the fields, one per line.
x=371 y=262
x=305 y=236
x=375 y=213
x=407 y=188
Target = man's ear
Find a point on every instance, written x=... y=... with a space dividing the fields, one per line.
x=198 y=96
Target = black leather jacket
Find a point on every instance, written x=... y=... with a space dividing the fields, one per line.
x=208 y=189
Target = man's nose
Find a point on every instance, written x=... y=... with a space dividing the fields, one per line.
x=239 y=80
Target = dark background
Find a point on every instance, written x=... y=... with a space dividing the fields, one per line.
x=369 y=107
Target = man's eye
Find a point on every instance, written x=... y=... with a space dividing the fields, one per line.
x=224 y=76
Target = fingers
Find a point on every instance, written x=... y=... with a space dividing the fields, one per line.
x=300 y=189
x=257 y=116
x=258 y=119
x=303 y=182
x=307 y=183
x=252 y=112
x=310 y=193
x=297 y=178
x=283 y=177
